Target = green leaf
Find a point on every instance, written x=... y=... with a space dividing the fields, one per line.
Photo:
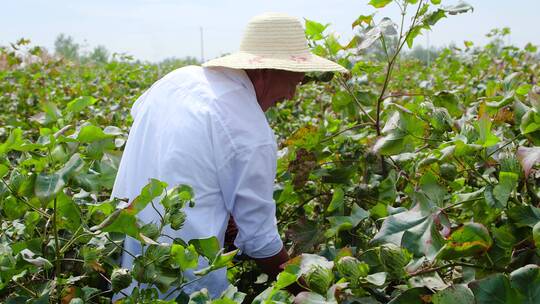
x=524 y=215
x=412 y=295
x=401 y=128
x=16 y=142
x=366 y=19
x=530 y=122
x=523 y=89
x=527 y=281
x=414 y=32
x=494 y=289
x=430 y=187
x=3 y=170
x=341 y=223
x=208 y=247
x=413 y=230
x=376 y=279
x=536 y=234
x=122 y=221
x=72 y=167
x=507 y=183
x=315 y=29
x=68 y=214
x=341 y=100
x=337 y=199
x=223 y=259
x=391 y=144
x=379 y=3
x=90 y=133
x=333 y=45
x=455 y=294
x=487 y=139
x=490 y=198
x=47 y=186
x=469 y=240
x=149 y=192
x=448 y=100
x=285 y=279
x=387 y=188
x=186 y=258
x=52 y=113
x=233 y=294
x=79 y=103
x=432 y=18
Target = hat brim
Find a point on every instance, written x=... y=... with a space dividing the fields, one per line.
x=295 y=63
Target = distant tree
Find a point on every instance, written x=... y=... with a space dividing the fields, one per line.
x=66 y=47
x=173 y=63
x=99 y=54
x=423 y=54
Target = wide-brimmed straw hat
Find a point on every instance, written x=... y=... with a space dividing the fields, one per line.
x=275 y=41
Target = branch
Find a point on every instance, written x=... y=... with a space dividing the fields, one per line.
x=428 y=270
x=345 y=130
x=404 y=94
x=349 y=90
x=24 y=201
x=401 y=42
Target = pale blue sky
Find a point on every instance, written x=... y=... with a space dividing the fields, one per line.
x=156 y=29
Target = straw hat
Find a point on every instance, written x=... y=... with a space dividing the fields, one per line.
x=275 y=41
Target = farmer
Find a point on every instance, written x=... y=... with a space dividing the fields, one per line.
x=205 y=127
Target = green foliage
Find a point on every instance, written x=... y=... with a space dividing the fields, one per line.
x=401 y=182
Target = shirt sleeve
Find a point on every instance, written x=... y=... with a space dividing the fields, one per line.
x=247 y=180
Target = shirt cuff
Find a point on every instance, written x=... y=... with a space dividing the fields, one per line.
x=261 y=247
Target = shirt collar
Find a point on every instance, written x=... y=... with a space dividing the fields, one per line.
x=240 y=76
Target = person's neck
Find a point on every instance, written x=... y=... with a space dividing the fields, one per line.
x=259 y=84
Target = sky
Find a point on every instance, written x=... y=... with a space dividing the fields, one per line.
x=157 y=29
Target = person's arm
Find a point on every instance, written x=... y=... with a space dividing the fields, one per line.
x=247 y=182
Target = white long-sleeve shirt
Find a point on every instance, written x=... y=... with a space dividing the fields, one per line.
x=204 y=127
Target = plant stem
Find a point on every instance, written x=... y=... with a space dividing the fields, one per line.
x=474 y=170
x=404 y=95
x=345 y=130
x=21 y=199
x=57 y=262
x=118 y=246
x=182 y=286
x=428 y=270
x=401 y=42
x=35 y=295
x=109 y=281
x=461 y=203
x=351 y=93
x=502 y=147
